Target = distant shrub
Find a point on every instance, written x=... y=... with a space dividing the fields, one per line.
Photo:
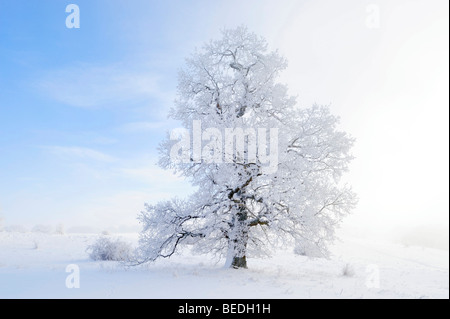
x=308 y=250
x=59 y=229
x=108 y=249
x=16 y=229
x=348 y=270
x=45 y=229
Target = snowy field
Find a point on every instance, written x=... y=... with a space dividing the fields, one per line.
x=33 y=265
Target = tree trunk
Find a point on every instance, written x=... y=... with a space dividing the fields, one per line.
x=239 y=262
x=237 y=242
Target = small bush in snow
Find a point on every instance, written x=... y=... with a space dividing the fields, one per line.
x=308 y=250
x=59 y=229
x=108 y=249
x=348 y=270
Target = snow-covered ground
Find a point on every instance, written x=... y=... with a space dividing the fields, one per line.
x=33 y=265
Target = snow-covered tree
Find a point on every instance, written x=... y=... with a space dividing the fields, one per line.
x=279 y=185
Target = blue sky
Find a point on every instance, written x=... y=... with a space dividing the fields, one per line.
x=83 y=110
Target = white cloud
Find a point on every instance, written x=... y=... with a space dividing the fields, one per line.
x=93 y=86
x=151 y=173
x=80 y=153
x=133 y=127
